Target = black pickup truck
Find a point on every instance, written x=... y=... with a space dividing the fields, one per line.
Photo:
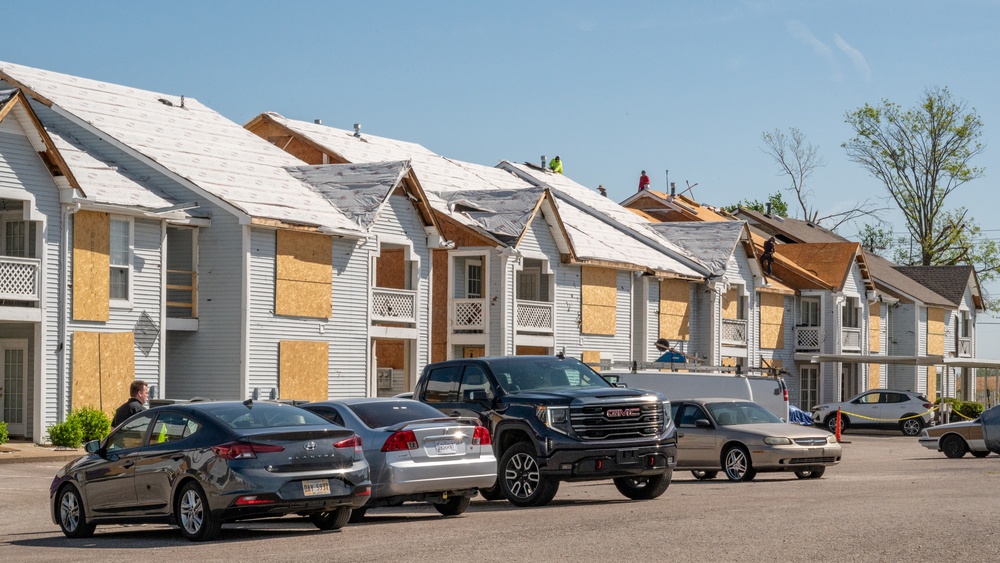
x=554 y=419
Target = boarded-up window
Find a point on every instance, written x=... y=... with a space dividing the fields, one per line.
x=103 y=369
x=875 y=327
x=772 y=321
x=731 y=304
x=874 y=376
x=91 y=265
x=931 y=383
x=599 y=296
x=675 y=310
x=390 y=269
x=935 y=331
x=531 y=351
x=304 y=277
x=592 y=358
x=303 y=370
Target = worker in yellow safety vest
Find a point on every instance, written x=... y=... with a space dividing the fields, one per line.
x=555 y=165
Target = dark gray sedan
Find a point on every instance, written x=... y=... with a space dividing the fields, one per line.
x=199 y=465
x=415 y=453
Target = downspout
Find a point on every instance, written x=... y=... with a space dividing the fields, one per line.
x=67 y=210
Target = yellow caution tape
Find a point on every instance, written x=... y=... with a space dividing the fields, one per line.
x=855 y=415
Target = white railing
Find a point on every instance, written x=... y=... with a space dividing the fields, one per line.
x=807 y=337
x=734 y=332
x=965 y=347
x=394 y=305
x=468 y=314
x=535 y=316
x=19 y=278
x=850 y=339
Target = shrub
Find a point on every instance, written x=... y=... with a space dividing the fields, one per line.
x=3 y=433
x=94 y=423
x=68 y=434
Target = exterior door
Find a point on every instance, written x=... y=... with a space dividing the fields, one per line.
x=13 y=395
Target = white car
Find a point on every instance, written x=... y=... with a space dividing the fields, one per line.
x=908 y=411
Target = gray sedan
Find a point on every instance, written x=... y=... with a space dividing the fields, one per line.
x=742 y=438
x=416 y=454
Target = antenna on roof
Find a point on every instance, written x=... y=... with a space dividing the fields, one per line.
x=690 y=188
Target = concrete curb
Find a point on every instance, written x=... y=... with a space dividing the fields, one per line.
x=23 y=452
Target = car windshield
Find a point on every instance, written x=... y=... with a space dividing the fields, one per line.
x=545 y=374
x=732 y=413
x=265 y=415
x=390 y=413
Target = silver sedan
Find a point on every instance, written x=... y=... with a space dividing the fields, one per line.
x=742 y=438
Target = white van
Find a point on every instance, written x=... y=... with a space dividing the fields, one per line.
x=767 y=391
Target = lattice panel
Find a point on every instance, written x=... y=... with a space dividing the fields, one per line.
x=734 y=330
x=19 y=280
x=393 y=305
x=807 y=337
x=532 y=316
x=468 y=314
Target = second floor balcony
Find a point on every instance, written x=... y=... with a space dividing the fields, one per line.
x=734 y=332
x=535 y=316
x=850 y=339
x=468 y=315
x=807 y=338
x=394 y=305
x=19 y=279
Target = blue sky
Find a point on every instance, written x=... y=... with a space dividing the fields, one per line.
x=611 y=87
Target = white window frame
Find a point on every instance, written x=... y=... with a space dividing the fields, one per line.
x=803 y=320
x=851 y=312
x=810 y=374
x=118 y=302
x=469 y=264
x=525 y=275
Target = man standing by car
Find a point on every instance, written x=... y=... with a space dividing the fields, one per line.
x=138 y=392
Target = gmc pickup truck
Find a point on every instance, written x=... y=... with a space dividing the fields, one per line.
x=554 y=419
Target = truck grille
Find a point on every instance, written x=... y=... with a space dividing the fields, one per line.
x=617 y=421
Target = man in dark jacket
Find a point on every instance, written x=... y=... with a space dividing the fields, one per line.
x=138 y=392
x=767 y=258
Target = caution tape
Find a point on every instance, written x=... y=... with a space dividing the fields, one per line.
x=855 y=415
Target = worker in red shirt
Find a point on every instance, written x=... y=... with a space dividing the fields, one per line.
x=643 y=181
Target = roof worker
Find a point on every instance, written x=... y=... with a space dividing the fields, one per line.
x=555 y=165
x=601 y=189
x=643 y=181
x=767 y=258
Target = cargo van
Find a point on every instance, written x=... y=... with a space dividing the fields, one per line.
x=768 y=391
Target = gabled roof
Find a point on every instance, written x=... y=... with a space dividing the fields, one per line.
x=830 y=262
x=668 y=208
x=948 y=281
x=505 y=214
x=14 y=104
x=887 y=278
x=189 y=142
x=713 y=243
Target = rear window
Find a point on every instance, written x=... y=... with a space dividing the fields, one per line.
x=266 y=415
x=390 y=413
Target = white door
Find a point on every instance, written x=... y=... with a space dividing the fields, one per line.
x=13 y=396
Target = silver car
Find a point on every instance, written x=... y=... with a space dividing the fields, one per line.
x=908 y=411
x=742 y=438
x=199 y=465
x=415 y=453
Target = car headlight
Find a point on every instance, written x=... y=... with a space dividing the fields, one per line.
x=666 y=414
x=556 y=418
x=819 y=408
x=777 y=441
x=831 y=439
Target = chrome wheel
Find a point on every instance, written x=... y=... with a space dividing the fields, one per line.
x=521 y=479
x=192 y=512
x=72 y=519
x=194 y=515
x=736 y=460
x=521 y=475
x=911 y=426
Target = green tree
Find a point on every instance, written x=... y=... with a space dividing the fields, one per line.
x=778 y=205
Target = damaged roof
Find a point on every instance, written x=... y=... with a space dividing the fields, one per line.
x=713 y=243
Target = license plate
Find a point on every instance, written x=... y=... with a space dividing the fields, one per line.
x=446 y=447
x=315 y=487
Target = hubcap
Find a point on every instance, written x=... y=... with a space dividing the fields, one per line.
x=192 y=512
x=521 y=475
x=736 y=464
x=911 y=426
x=69 y=512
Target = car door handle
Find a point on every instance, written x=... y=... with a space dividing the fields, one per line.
x=455 y=413
x=128 y=464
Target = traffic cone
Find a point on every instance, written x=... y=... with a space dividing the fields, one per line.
x=837 y=433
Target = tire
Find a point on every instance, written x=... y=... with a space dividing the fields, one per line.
x=493 y=493
x=831 y=423
x=357 y=515
x=911 y=426
x=72 y=516
x=332 y=520
x=704 y=475
x=736 y=461
x=644 y=488
x=810 y=473
x=454 y=506
x=953 y=447
x=194 y=517
x=980 y=454
x=521 y=480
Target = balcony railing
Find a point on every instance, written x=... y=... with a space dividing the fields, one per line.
x=734 y=332
x=468 y=315
x=807 y=337
x=535 y=316
x=850 y=339
x=965 y=347
x=19 y=278
x=394 y=305
x=182 y=294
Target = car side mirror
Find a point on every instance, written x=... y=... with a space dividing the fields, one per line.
x=476 y=396
x=92 y=447
x=702 y=423
x=622 y=385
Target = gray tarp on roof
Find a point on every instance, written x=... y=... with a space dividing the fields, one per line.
x=713 y=242
x=502 y=213
x=357 y=190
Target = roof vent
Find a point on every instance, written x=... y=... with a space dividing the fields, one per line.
x=318 y=121
x=357 y=130
x=543 y=162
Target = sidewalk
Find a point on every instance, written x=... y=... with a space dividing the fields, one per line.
x=27 y=452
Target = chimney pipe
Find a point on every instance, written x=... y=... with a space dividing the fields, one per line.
x=357 y=130
x=318 y=121
x=673 y=188
x=768 y=212
x=543 y=162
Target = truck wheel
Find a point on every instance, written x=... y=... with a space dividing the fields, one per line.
x=521 y=480
x=738 y=466
x=643 y=488
x=704 y=475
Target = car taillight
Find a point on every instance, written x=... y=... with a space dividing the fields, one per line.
x=481 y=436
x=400 y=441
x=352 y=442
x=244 y=450
x=786 y=394
x=928 y=406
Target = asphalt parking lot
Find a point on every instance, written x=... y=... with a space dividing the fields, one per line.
x=889 y=500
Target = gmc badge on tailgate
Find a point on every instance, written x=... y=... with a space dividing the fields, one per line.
x=623 y=413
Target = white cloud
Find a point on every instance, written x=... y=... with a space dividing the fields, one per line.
x=856 y=57
x=800 y=32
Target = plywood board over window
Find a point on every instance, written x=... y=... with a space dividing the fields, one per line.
x=874 y=327
x=91 y=266
x=772 y=320
x=675 y=310
x=592 y=358
x=874 y=376
x=103 y=369
x=730 y=304
x=931 y=383
x=935 y=331
x=304 y=275
x=303 y=370
x=599 y=297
